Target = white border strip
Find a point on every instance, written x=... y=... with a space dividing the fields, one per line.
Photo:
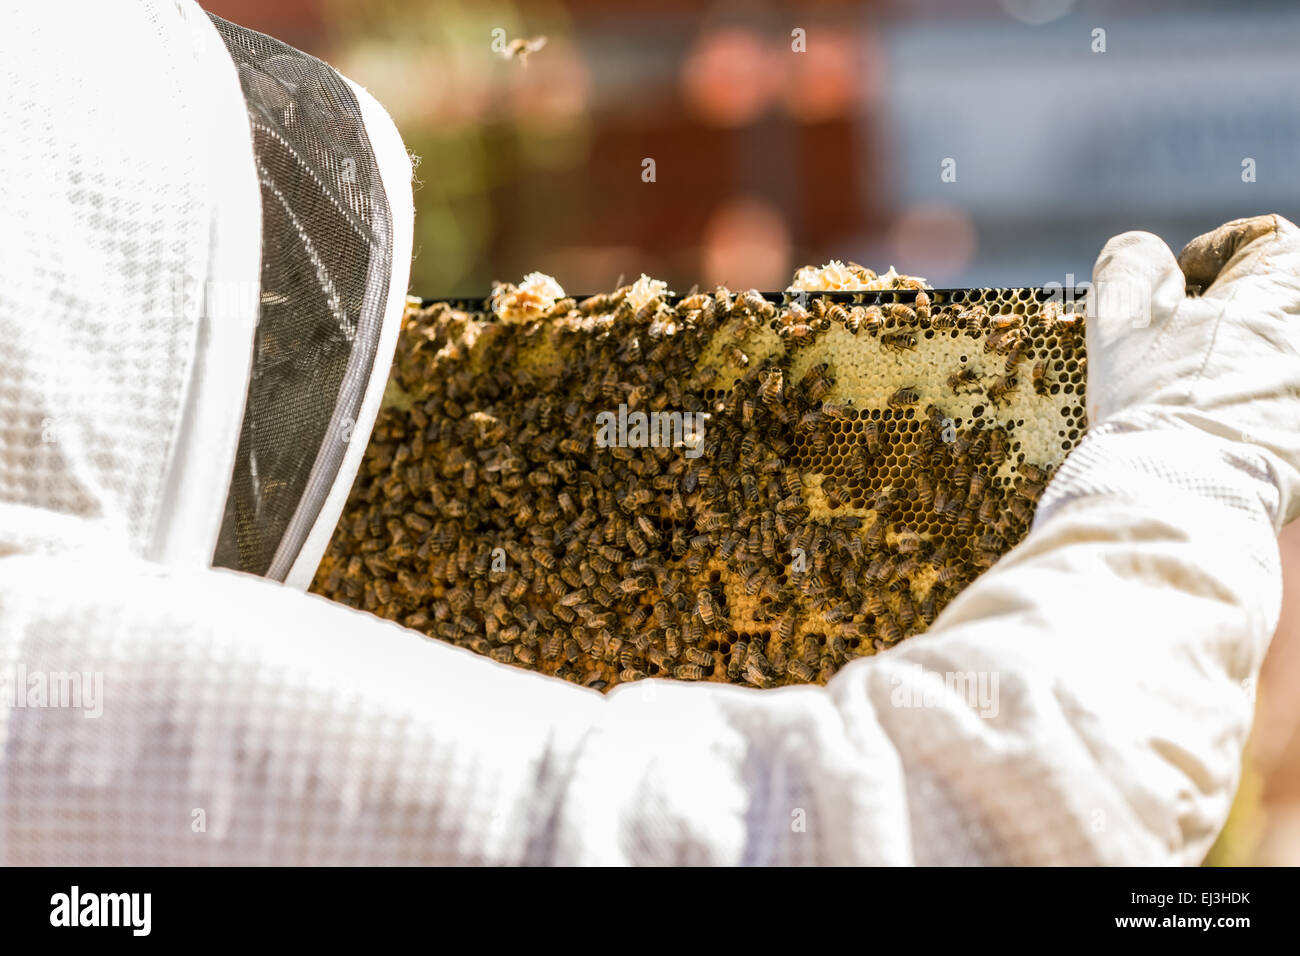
x=395 y=176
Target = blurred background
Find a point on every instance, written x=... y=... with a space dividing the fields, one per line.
x=983 y=142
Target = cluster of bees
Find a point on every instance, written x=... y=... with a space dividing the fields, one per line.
x=866 y=455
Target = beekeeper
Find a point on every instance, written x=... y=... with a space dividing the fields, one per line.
x=204 y=259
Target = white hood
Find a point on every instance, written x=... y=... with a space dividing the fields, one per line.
x=270 y=264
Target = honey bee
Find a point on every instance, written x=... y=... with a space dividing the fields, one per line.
x=888 y=629
x=629 y=674
x=945 y=319
x=836 y=313
x=796 y=330
x=800 y=671
x=924 y=488
x=1039 y=377
x=696 y=302
x=705 y=606
x=906 y=540
x=905 y=396
x=819 y=387
x=922 y=305
x=872 y=318
x=900 y=313
x=1032 y=472
x=965 y=378
x=736 y=665
x=696 y=655
x=753 y=301
x=1016 y=356
x=998 y=446
x=1001 y=388
x=520 y=49
x=871 y=435
x=948 y=572
x=1020 y=511
x=735 y=356
x=898 y=341
x=839 y=410
x=772 y=389
x=1030 y=490
x=906 y=612
x=835 y=497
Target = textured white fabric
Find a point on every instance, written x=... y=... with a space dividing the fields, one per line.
x=127 y=197
x=243 y=722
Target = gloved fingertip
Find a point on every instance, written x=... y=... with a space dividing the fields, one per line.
x=1206 y=256
x=1135 y=279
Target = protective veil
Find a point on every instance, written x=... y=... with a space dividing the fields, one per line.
x=204 y=259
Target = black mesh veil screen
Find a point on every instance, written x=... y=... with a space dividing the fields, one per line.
x=326 y=267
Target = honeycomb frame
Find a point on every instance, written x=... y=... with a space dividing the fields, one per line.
x=798 y=540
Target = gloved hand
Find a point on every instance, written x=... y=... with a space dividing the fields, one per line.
x=1226 y=362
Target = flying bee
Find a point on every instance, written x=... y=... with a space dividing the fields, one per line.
x=1039 y=377
x=1001 y=388
x=520 y=49
x=965 y=378
x=898 y=341
x=905 y=396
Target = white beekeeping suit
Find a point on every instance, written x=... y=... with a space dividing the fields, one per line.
x=204 y=253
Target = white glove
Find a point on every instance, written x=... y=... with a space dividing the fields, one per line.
x=1225 y=362
x=1116 y=647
